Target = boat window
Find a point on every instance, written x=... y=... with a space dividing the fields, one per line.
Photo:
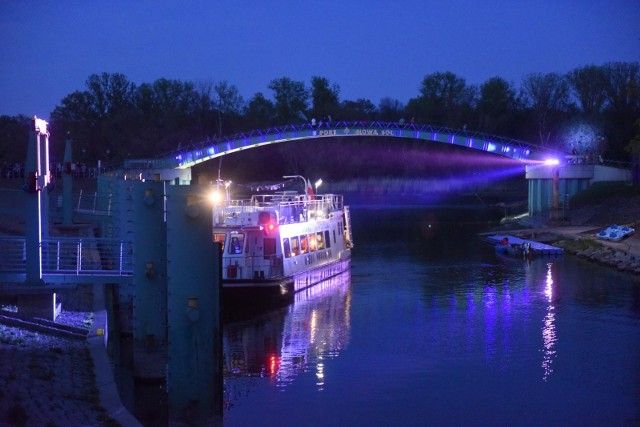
x=334 y=236
x=319 y=240
x=220 y=237
x=304 y=246
x=236 y=243
x=287 y=248
x=312 y=242
x=327 y=239
x=295 y=246
x=269 y=247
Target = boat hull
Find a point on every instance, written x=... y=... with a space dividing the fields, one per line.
x=251 y=296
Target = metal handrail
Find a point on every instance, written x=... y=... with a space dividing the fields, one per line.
x=71 y=255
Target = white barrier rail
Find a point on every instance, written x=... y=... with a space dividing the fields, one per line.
x=71 y=255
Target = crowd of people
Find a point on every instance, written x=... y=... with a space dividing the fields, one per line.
x=77 y=170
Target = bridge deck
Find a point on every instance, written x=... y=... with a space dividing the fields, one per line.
x=215 y=147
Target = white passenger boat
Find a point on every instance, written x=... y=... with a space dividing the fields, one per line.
x=280 y=243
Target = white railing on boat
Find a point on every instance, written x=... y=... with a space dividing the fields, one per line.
x=286 y=207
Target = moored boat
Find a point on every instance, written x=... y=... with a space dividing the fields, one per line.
x=516 y=246
x=280 y=243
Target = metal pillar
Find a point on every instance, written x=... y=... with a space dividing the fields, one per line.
x=149 y=280
x=67 y=184
x=194 y=377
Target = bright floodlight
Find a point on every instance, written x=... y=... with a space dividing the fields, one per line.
x=40 y=125
x=551 y=162
x=318 y=183
x=215 y=197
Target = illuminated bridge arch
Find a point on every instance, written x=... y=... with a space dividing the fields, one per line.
x=213 y=148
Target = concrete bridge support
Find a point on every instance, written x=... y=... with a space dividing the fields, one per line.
x=551 y=186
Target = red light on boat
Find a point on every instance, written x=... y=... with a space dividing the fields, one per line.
x=268 y=228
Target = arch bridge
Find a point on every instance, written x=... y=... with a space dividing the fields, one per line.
x=212 y=148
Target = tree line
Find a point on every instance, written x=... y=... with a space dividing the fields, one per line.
x=592 y=109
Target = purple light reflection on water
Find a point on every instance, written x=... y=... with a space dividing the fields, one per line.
x=442 y=331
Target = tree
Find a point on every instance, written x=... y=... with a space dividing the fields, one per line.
x=204 y=113
x=14 y=136
x=390 y=109
x=227 y=101
x=99 y=118
x=360 y=109
x=548 y=97
x=291 y=99
x=623 y=96
x=496 y=105
x=111 y=94
x=444 y=99
x=324 y=97
x=634 y=148
x=164 y=116
x=259 y=112
x=588 y=85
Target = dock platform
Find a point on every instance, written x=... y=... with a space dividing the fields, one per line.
x=538 y=249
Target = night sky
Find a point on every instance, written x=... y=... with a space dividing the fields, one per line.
x=371 y=49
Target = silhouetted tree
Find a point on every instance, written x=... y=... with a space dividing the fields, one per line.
x=291 y=99
x=390 y=109
x=588 y=85
x=259 y=112
x=14 y=135
x=623 y=96
x=548 y=97
x=496 y=106
x=444 y=99
x=325 y=98
x=228 y=101
x=360 y=109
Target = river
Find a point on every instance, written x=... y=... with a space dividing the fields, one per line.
x=432 y=327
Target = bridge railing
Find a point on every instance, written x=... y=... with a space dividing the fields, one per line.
x=342 y=124
x=71 y=255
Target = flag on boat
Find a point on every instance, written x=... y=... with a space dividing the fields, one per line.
x=310 y=191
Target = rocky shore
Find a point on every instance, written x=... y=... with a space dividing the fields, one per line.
x=582 y=241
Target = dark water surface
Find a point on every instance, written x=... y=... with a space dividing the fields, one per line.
x=431 y=327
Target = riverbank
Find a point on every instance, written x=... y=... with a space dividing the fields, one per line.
x=582 y=242
x=58 y=373
x=598 y=208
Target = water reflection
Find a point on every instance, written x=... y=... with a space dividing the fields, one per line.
x=549 y=329
x=296 y=339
